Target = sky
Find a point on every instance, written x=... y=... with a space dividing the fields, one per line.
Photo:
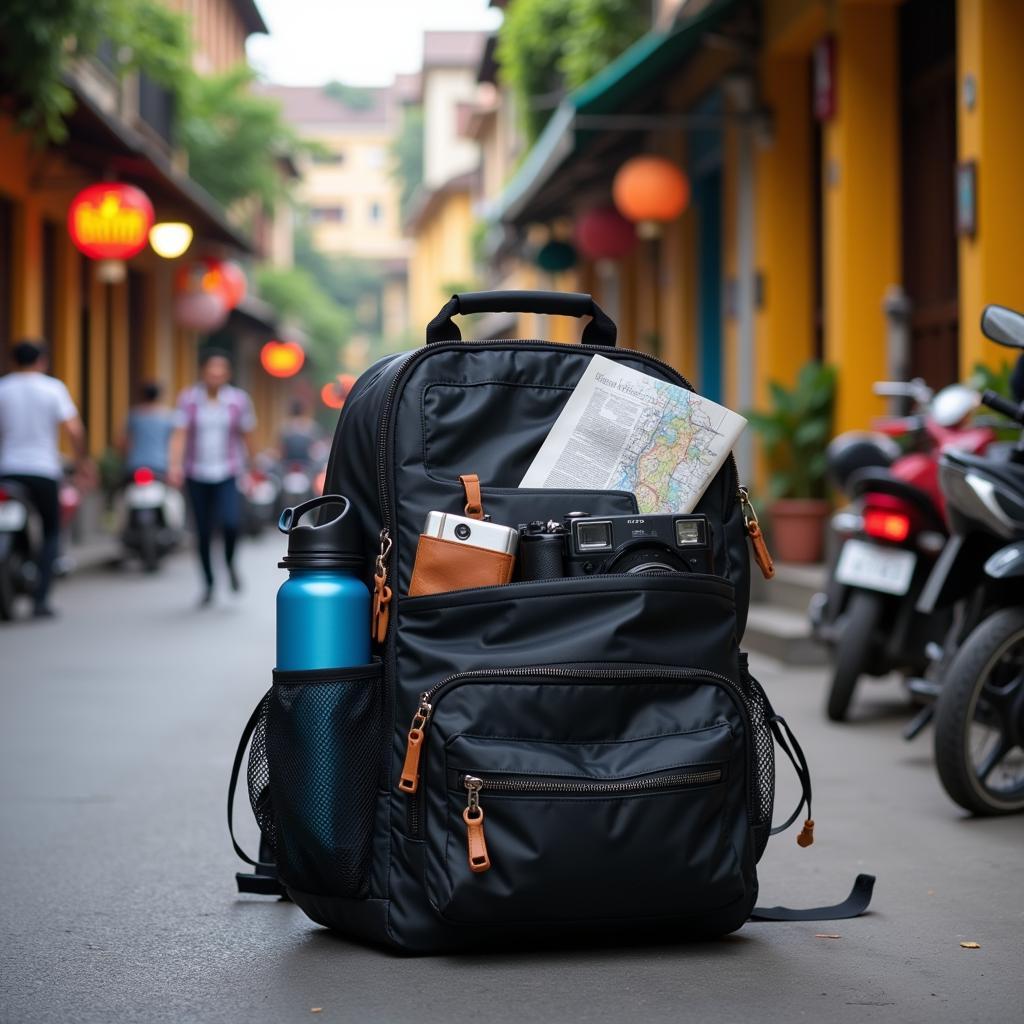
x=360 y=42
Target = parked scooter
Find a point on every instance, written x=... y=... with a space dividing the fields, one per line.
x=260 y=488
x=152 y=517
x=891 y=534
x=979 y=714
x=21 y=538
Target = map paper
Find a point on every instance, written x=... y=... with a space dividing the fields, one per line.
x=623 y=430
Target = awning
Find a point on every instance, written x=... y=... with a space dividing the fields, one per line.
x=621 y=85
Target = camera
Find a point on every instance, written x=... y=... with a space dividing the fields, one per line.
x=585 y=545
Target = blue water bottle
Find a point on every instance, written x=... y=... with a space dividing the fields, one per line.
x=323 y=608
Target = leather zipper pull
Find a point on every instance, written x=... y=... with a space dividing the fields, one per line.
x=381 y=591
x=761 y=553
x=474 y=502
x=473 y=816
x=806 y=837
x=410 y=780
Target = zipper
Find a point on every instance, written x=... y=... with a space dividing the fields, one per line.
x=384 y=436
x=473 y=814
x=409 y=783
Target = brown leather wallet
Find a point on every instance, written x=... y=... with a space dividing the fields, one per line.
x=443 y=565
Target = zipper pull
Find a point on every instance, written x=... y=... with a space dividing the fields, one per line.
x=381 y=590
x=473 y=816
x=806 y=837
x=761 y=553
x=410 y=780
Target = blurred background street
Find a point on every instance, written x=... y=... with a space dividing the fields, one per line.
x=118 y=886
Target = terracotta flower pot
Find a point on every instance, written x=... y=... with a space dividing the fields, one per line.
x=798 y=529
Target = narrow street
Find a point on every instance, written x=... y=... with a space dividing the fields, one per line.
x=116 y=735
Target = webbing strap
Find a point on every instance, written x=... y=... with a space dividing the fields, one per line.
x=853 y=906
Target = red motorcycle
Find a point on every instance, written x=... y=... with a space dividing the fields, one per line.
x=889 y=537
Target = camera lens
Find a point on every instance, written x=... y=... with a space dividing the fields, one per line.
x=462 y=531
x=648 y=558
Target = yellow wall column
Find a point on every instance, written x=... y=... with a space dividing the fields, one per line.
x=862 y=204
x=119 y=397
x=990 y=49
x=67 y=348
x=27 y=319
x=730 y=265
x=98 y=363
x=784 y=324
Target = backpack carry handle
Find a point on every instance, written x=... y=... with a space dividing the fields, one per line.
x=600 y=331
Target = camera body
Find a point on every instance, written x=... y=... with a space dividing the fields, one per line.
x=585 y=545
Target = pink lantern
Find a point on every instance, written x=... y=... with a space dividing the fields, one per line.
x=604 y=234
x=200 y=311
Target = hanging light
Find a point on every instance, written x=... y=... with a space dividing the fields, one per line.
x=650 y=191
x=282 y=358
x=110 y=221
x=170 y=238
x=604 y=234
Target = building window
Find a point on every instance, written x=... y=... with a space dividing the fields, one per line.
x=376 y=212
x=327 y=214
x=331 y=157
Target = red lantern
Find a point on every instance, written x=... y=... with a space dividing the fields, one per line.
x=334 y=392
x=650 y=191
x=604 y=234
x=282 y=358
x=219 y=277
x=200 y=311
x=232 y=282
x=110 y=221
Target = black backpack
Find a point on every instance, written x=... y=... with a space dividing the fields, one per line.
x=561 y=757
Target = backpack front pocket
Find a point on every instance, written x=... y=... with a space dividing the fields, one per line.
x=542 y=815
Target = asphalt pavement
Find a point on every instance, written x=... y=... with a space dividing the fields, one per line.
x=117 y=728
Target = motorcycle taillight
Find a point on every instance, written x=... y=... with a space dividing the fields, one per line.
x=885 y=524
x=143 y=475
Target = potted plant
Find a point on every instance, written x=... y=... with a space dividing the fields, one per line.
x=795 y=432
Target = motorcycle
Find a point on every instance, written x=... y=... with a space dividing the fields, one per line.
x=891 y=533
x=260 y=488
x=297 y=482
x=979 y=712
x=21 y=537
x=152 y=517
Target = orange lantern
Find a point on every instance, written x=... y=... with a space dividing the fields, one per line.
x=110 y=221
x=282 y=358
x=334 y=392
x=650 y=191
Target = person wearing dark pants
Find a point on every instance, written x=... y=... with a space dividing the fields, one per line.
x=33 y=408
x=213 y=426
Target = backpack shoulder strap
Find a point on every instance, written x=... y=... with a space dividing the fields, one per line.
x=853 y=906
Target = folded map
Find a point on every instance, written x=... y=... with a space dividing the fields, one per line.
x=623 y=430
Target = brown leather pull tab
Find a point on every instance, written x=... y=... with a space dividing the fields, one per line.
x=410 y=780
x=474 y=503
x=806 y=837
x=479 y=861
x=762 y=555
x=381 y=609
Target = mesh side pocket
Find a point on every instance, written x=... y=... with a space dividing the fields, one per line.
x=258 y=776
x=322 y=737
x=763 y=757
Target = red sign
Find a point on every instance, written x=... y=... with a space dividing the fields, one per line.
x=282 y=358
x=110 y=221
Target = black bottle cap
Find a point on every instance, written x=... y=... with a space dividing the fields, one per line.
x=334 y=543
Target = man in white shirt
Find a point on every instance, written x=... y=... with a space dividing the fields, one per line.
x=214 y=425
x=33 y=408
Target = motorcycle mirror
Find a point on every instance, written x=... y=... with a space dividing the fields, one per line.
x=1003 y=326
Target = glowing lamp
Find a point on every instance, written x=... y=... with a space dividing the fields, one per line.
x=330 y=395
x=650 y=191
x=232 y=282
x=170 y=239
x=282 y=358
x=110 y=221
x=200 y=311
x=604 y=234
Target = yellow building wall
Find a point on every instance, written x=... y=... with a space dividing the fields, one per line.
x=990 y=49
x=862 y=204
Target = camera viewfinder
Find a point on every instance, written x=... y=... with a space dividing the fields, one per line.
x=595 y=536
x=689 y=532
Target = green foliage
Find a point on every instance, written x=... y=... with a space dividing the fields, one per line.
x=354 y=97
x=39 y=37
x=547 y=48
x=233 y=137
x=796 y=431
x=296 y=295
x=407 y=157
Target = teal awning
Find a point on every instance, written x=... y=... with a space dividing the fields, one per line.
x=620 y=84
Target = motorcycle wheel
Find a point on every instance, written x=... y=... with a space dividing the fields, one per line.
x=149 y=549
x=852 y=651
x=983 y=698
x=8 y=589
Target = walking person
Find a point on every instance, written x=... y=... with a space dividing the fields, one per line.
x=33 y=408
x=147 y=434
x=209 y=447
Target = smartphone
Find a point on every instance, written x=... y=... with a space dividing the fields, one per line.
x=474 y=532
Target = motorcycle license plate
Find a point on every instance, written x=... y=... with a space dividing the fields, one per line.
x=875 y=568
x=145 y=495
x=13 y=516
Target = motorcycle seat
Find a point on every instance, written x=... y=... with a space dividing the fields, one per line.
x=1010 y=474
